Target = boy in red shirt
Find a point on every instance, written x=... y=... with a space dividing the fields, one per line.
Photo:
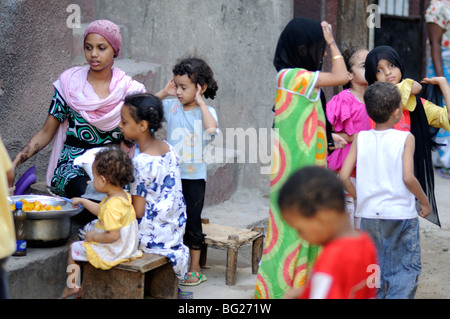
x=312 y=202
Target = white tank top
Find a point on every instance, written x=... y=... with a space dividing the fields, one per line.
x=380 y=190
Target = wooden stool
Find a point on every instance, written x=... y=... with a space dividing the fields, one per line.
x=232 y=238
x=150 y=276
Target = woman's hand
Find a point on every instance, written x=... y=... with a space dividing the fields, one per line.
x=437 y=80
x=40 y=140
x=327 y=32
x=338 y=75
x=443 y=85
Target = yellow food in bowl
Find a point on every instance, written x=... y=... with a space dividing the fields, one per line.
x=35 y=206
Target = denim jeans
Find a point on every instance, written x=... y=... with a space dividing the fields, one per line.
x=398 y=246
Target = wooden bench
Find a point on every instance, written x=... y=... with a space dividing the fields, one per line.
x=232 y=238
x=150 y=276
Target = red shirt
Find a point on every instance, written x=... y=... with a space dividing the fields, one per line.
x=345 y=269
x=403 y=125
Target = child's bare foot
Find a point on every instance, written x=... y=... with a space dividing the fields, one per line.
x=70 y=292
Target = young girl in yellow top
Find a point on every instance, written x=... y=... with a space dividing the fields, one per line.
x=115 y=237
x=384 y=65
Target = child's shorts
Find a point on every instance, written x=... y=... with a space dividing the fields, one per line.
x=78 y=251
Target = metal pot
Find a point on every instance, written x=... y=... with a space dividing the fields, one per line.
x=47 y=232
x=48 y=228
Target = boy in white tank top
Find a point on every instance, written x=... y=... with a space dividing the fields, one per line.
x=385 y=192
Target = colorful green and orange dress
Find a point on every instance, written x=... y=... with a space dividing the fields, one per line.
x=300 y=140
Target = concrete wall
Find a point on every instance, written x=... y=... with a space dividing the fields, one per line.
x=236 y=37
x=35 y=48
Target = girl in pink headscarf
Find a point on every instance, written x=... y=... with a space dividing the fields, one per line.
x=84 y=112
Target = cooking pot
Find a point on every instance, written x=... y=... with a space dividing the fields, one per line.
x=48 y=228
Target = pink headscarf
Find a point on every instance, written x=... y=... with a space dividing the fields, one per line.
x=109 y=30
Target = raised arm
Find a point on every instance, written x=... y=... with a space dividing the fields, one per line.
x=445 y=89
x=169 y=90
x=209 y=122
x=338 y=75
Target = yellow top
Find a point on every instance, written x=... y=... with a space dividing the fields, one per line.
x=437 y=116
x=115 y=213
x=7 y=231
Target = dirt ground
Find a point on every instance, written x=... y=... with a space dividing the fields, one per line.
x=434 y=282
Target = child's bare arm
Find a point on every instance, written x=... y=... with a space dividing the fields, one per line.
x=416 y=88
x=104 y=238
x=139 y=205
x=347 y=168
x=209 y=122
x=294 y=293
x=91 y=206
x=169 y=90
x=410 y=180
x=443 y=85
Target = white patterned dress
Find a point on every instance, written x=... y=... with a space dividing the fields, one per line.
x=161 y=229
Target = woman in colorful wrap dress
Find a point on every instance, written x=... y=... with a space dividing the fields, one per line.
x=301 y=140
x=84 y=112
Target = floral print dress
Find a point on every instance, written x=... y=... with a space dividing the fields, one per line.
x=161 y=229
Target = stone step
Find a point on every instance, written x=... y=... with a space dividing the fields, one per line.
x=149 y=74
x=41 y=274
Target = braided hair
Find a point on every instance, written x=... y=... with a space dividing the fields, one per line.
x=146 y=107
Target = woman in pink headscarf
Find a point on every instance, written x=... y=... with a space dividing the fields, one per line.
x=84 y=112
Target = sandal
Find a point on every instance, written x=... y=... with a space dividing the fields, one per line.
x=190 y=275
x=444 y=172
x=185 y=294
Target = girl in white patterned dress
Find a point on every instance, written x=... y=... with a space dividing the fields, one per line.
x=157 y=195
x=115 y=237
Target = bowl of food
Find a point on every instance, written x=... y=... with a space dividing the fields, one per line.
x=48 y=220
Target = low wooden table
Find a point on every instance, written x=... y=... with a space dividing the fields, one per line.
x=150 y=276
x=232 y=238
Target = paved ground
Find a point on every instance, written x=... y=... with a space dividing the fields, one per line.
x=248 y=209
x=434 y=282
x=245 y=210
x=435 y=243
